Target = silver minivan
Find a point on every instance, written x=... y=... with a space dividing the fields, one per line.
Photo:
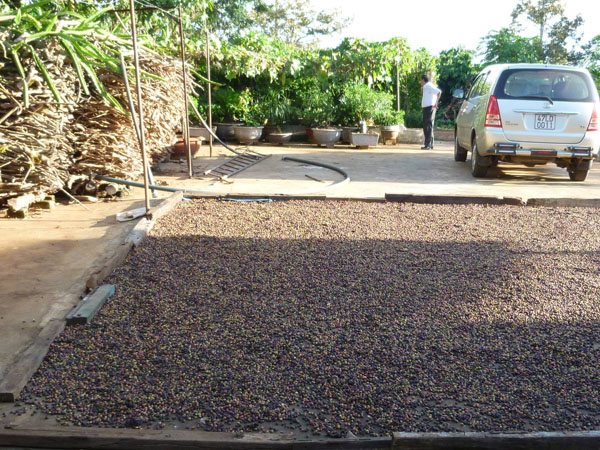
x=529 y=114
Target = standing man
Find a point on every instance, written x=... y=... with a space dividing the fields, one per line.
x=431 y=97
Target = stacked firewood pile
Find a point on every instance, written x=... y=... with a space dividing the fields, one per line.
x=49 y=145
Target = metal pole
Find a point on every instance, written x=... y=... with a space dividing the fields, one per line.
x=397 y=87
x=186 y=112
x=133 y=119
x=138 y=87
x=209 y=90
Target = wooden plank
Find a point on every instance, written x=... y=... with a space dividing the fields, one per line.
x=115 y=261
x=124 y=439
x=166 y=205
x=87 y=308
x=21 y=372
x=139 y=232
x=342 y=444
x=576 y=440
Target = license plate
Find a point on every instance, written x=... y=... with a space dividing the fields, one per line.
x=545 y=122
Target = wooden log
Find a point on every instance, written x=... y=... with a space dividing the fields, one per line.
x=21 y=202
x=113 y=439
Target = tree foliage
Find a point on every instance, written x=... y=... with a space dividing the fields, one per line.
x=295 y=21
x=556 y=31
x=455 y=69
x=506 y=46
x=592 y=59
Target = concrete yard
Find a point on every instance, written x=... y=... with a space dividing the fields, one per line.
x=393 y=170
x=49 y=257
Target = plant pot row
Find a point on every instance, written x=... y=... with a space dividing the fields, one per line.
x=327 y=137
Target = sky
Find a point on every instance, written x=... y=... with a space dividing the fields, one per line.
x=440 y=24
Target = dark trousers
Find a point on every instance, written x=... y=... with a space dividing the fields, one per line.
x=428 y=117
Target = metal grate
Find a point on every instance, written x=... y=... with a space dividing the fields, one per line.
x=236 y=165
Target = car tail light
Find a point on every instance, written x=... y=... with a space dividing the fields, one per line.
x=594 y=122
x=492 y=115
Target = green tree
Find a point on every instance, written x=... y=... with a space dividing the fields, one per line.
x=294 y=21
x=555 y=30
x=592 y=59
x=506 y=46
x=455 y=68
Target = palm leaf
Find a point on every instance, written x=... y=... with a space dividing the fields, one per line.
x=99 y=86
x=17 y=61
x=35 y=5
x=77 y=63
x=45 y=74
x=94 y=16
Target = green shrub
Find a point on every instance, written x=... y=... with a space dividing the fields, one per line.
x=316 y=107
x=445 y=124
x=389 y=117
x=274 y=107
x=230 y=105
x=359 y=102
x=413 y=119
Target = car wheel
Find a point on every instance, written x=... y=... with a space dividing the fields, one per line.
x=460 y=153
x=578 y=172
x=478 y=167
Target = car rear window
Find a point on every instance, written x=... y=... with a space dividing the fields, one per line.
x=559 y=85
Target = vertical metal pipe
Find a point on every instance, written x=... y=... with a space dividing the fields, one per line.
x=138 y=86
x=209 y=89
x=134 y=120
x=397 y=87
x=186 y=111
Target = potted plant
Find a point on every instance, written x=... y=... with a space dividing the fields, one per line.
x=229 y=108
x=277 y=109
x=391 y=123
x=318 y=111
x=362 y=105
x=252 y=128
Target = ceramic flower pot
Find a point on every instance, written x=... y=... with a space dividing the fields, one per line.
x=390 y=135
x=225 y=131
x=364 y=140
x=268 y=130
x=326 y=136
x=279 y=138
x=179 y=151
x=201 y=132
x=247 y=134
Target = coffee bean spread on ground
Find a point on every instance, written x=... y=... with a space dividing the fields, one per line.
x=329 y=318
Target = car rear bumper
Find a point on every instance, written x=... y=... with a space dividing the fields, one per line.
x=568 y=153
x=495 y=143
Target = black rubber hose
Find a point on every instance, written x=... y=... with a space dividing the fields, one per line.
x=195 y=191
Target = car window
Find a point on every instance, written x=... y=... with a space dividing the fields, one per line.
x=472 y=89
x=560 y=85
x=479 y=87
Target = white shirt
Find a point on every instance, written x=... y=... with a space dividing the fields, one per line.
x=430 y=93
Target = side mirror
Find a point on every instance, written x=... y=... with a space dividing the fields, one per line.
x=458 y=93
